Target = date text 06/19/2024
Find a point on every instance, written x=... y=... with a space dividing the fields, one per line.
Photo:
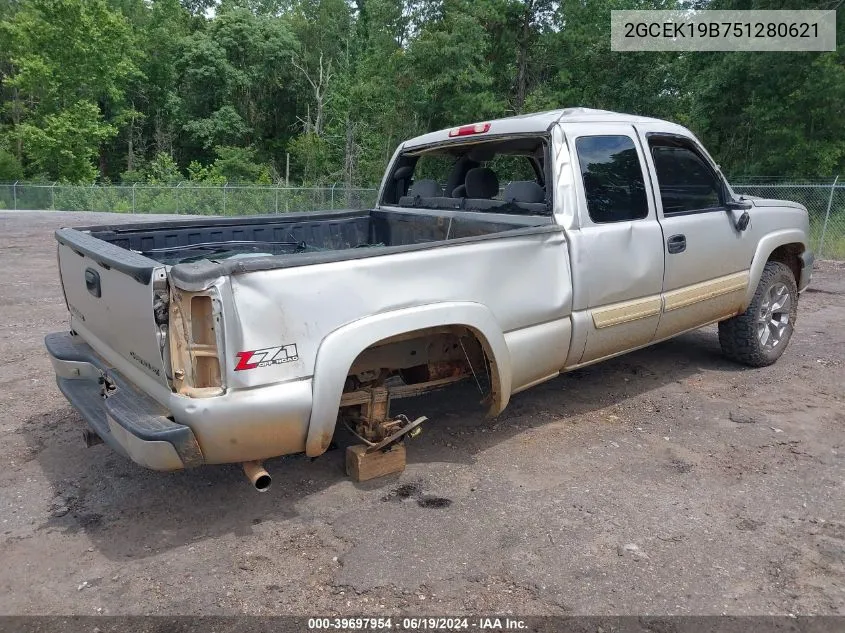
x=417 y=624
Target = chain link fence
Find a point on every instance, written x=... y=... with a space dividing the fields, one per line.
x=183 y=198
x=825 y=201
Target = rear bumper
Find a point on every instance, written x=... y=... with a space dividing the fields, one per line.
x=129 y=421
x=238 y=426
x=807 y=260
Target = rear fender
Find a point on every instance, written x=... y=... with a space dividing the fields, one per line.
x=339 y=350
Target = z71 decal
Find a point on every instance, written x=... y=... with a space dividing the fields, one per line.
x=266 y=357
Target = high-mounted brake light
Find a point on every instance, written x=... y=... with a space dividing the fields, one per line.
x=467 y=130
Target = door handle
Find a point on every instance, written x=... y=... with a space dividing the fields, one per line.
x=92 y=282
x=677 y=244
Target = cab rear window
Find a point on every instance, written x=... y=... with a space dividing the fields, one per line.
x=501 y=175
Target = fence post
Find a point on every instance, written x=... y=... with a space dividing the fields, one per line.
x=178 y=184
x=224 y=197
x=827 y=215
x=15 y=194
x=276 y=204
x=53 y=196
x=133 y=197
x=333 y=185
x=93 y=184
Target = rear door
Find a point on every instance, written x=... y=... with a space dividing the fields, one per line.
x=617 y=253
x=110 y=294
x=707 y=258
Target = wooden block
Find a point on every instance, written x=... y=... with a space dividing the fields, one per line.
x=361 y=466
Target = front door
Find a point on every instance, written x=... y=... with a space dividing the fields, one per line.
x=707 y=258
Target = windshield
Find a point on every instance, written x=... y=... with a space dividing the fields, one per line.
x=504 y=175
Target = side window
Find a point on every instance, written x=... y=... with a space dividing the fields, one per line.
x=613 y=178
x=686 y=181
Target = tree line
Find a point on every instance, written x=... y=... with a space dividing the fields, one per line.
x=231 y=90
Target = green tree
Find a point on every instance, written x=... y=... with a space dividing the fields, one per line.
x=163 y=170
x=232 y=75
x=154 y=117
x=581 y=70
x=224 y=89
x=68 y=63
x=452 y=81
x=10 y=167
x=310 y=154
x=377 y=93
x=771 y=114
x=239 y=165
x=65 y=144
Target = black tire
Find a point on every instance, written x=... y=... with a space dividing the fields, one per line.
x=740 y=336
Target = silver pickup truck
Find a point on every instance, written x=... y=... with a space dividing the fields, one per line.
x=503 y=252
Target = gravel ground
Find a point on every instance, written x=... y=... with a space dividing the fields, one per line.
x=665 y=481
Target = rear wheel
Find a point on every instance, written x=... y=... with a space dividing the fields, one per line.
x=759 y=336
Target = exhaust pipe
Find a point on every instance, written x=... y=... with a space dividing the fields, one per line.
x=259 y=477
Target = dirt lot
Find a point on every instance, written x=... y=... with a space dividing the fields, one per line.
x=665 y=481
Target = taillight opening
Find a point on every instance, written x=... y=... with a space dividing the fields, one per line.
x=194 y=352
x=203 y=346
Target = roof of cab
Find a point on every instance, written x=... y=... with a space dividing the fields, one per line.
x=540 y=122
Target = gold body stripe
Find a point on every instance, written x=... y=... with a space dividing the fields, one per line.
x=619 y=313
x=627 y=311
x=703 y=291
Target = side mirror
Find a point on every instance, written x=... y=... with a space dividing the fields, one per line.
x=742 y=222
x=738 y=205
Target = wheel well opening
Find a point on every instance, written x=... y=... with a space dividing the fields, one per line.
x=417 y=362
x=789 y=254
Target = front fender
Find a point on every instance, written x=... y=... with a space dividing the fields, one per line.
x=339 y=350
x=766 y=247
